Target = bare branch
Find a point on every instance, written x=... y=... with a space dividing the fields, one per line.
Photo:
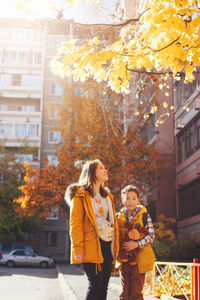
x=133 y=20
x=149 y=72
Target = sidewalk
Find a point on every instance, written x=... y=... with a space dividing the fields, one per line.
x=74 y=283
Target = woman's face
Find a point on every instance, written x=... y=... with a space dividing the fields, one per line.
x=101 y=173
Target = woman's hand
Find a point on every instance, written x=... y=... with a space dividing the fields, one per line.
x=78 y=257
x=130 y=245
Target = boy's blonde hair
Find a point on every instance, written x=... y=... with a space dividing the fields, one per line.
x=129 y=188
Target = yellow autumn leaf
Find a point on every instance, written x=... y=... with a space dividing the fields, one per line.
x=165 y=105
x=154 y=109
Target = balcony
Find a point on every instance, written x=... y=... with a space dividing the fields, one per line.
x=20 y=128
x=10 y=116
x=22 y=68
x=21 y=92
x=13 y=141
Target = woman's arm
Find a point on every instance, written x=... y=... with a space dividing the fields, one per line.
x=76 y=228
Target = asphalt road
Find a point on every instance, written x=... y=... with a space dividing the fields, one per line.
x=29 y=284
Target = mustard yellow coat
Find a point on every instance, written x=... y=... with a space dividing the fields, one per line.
x=84 y=231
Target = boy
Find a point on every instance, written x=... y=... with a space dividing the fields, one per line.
x=132 y=273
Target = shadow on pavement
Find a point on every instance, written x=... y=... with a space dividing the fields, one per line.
x=29 y=271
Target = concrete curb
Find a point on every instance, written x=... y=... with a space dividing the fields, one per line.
x=67 y=291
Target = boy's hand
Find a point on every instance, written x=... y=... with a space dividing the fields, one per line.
x=130 y=245
x=79 y=257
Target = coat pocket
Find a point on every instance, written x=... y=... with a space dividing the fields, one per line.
x=90 y=236
x=146 y=259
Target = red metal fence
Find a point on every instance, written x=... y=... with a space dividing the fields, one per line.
x=196 y=280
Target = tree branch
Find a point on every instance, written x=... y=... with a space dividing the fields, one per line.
x=149 y=72
x=133 y=20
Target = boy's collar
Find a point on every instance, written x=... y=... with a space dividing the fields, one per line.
x=136 y=210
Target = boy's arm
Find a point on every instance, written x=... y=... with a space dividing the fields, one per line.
x=148 y=239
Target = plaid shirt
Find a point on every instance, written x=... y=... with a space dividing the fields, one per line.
x=148 y=239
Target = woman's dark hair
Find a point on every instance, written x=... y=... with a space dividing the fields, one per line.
x=87 y=180
x=129 y=188
x=88 y=177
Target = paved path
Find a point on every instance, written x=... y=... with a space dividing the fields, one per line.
x=29 y=284
x=74 y=283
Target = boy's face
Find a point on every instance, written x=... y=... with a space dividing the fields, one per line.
x=130 y=201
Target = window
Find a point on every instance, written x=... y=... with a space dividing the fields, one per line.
x=29 y=236
x=9 y=56
x=78 y=91
x=16 y=80
x=151 y=127
x=26 y=108
x=188 y=140
x=53 y=114
x=52 y=238
x=20 y=176
x=37 y=58
x=151 y=207
x=53 y=214
x=6 y=129
x=4 y=107
x=53 y=160
x=24 y=157
x=56 y=89
x=33 y=130
x=24 y=129
x=28 y=253
x=184 y=91
x=54 y=137
x=107 y=97
x=197 y=133
x=19 y=253
x=189 y=204
x=22 y=57
x=78 y=163
x=21 y=129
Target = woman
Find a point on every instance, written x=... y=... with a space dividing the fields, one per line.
x=93 y=227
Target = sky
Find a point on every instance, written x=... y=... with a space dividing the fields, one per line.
x=83 y=12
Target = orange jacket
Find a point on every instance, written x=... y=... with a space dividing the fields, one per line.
x=84 y=231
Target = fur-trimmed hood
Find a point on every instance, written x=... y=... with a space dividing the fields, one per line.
x=70 y=192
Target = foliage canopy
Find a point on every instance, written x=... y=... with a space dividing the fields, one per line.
x=164 y=38
x=90 y=129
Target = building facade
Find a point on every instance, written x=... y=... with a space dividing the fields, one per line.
x=187 y=136
x=175 y=191
x=27 y=121
x=30 y=97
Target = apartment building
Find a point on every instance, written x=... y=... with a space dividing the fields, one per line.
x=187 y=136
x=21 y=89
x=27 y=88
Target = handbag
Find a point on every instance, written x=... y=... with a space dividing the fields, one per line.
x=106 y=233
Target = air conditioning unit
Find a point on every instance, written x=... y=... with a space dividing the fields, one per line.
x=197 y=103
x=198 y=168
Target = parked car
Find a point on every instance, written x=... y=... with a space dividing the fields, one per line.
x=25 y=258
x=8 y=247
